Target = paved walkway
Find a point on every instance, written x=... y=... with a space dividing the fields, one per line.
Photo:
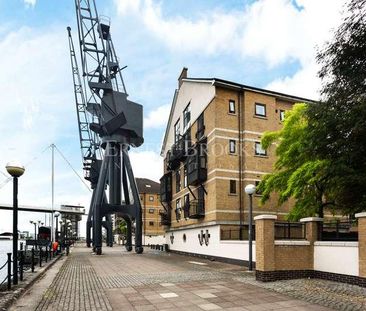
x=155 y=280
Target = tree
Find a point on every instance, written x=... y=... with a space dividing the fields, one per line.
x=297 y=173
x=322 y=146
x=338 y=122
x=121 y=226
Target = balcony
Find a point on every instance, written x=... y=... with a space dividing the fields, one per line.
x=197 y=165
x=196 y=209
x=165 y=218
x=178 y=152
x=166 y=187
x=186 y=209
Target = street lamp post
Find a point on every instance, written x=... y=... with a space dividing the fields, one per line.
x=57 y=214
x=249 y=190
x=15 y=170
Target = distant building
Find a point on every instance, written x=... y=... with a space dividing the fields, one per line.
x=149 y=191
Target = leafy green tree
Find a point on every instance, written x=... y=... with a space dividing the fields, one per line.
x=322 y=146
x=297 y=173
x=121 y=226
x=338 y=122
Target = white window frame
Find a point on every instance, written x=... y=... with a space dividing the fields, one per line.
x=262 y=106
x=259 y=151
x=232 y=106
x=232 y=143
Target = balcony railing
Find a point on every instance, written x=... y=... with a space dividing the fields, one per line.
x=196 y=209
x=197 y=165
x=166 y=187
x=165 y=218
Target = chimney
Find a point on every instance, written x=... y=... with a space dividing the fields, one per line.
x=182 y=76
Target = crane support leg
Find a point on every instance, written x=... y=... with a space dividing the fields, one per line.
x=98 y=204
x=89 y=221
x=129 y=233
x=136 y=200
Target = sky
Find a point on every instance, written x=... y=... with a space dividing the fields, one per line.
x=263 y=43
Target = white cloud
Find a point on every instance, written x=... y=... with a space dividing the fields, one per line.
x=127 y=6
x=147 y=164
x=273 y=31
x=30 y=3
x=157 y=118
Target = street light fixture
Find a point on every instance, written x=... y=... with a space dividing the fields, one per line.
x=15 y=170
x=250 y=190
x=57 y=214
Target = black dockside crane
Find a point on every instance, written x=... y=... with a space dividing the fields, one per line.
x=109 y=125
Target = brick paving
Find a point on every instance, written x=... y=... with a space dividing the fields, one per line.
x=155 y=280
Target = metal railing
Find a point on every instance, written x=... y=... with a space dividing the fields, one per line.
x=290 y=231
x=28 y=259
x=339 y=231
x=236 y=233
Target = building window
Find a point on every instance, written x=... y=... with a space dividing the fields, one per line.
x=151 y=198
x=233 y=186
x=185 y=183
x=186 y=117
x=151 y=211
x=177 y=181
x=151 y=223
x=260 y=110
x=142 y=198
x=282 y=115
x=176 y=131
x=232 y=146
x=232 y=106
x=259 y=150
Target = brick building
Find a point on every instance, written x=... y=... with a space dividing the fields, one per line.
x=212 y=150
x=149 y=191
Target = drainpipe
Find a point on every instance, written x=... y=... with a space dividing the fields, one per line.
x=240 y=167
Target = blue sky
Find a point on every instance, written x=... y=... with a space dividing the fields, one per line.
x=263 y=43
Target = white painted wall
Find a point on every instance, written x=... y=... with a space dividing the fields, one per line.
x=154 y=239
x=336 y=257
x=199 y=94
x=227 y=249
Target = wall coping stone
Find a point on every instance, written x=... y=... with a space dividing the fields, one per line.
x=360 y=215
x=311 y=219
x=236 y=242
x=336 y=243
x=292 y=242
x=259 y=217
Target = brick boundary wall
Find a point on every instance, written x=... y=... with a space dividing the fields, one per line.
x=293 y=260
x=271 y=276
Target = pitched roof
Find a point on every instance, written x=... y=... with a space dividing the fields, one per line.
x=230 y=85
x=145 y=185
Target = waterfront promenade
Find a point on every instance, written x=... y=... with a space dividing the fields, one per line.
x=156 y=280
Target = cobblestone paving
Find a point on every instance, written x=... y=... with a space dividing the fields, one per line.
x=155 y=280
x=75 y=287
x=335 y=295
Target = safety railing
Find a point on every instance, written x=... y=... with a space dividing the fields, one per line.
x=28 y=260
x=290 y=231
x=237 y=233
x=339 y=231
